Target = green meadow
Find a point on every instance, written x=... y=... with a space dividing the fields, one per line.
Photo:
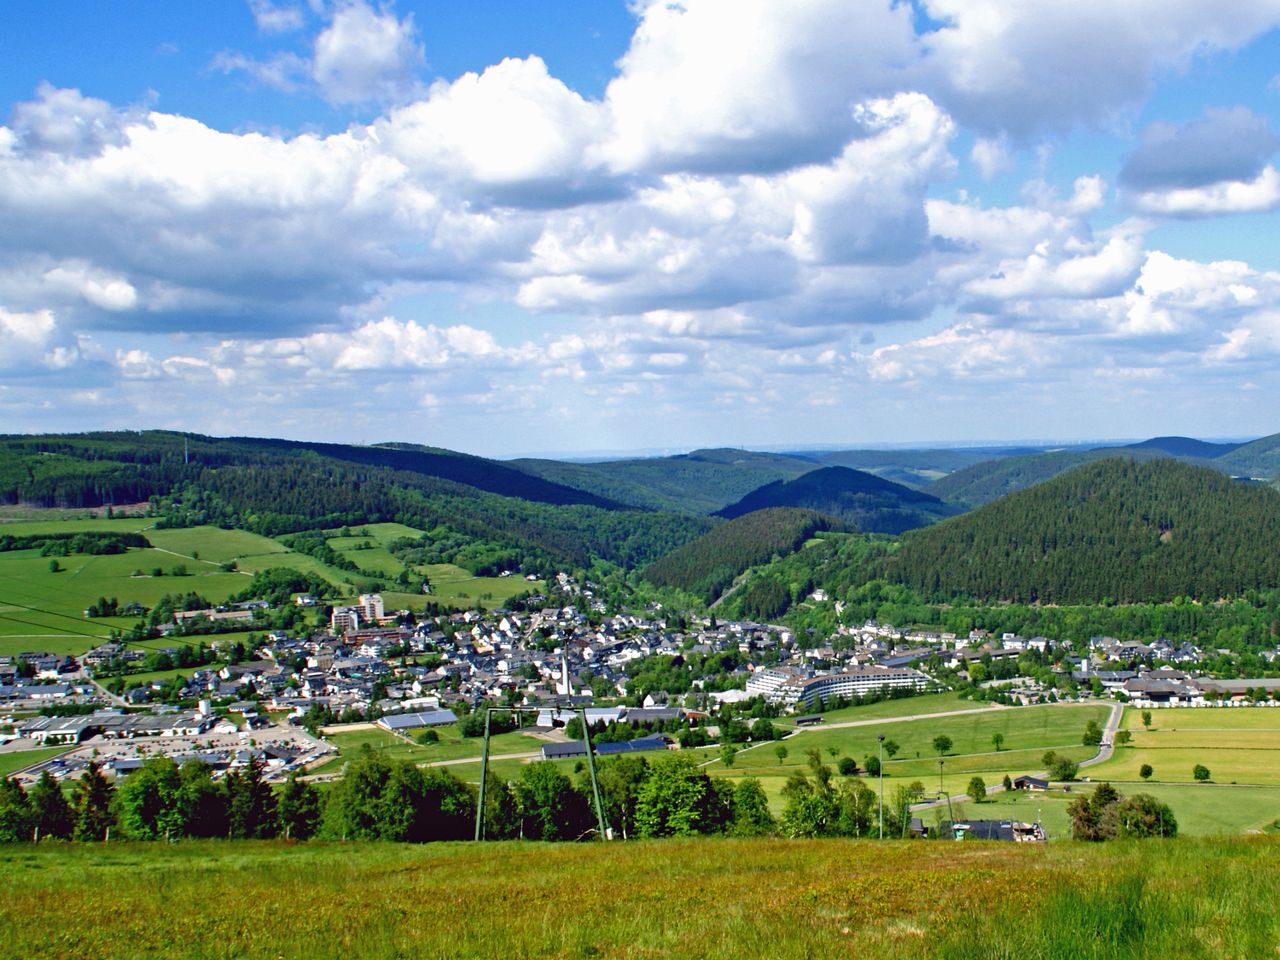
x=1237 y=744
x=1201 y=809
x=43 y=610
x=712 y=899
x=1028 y=733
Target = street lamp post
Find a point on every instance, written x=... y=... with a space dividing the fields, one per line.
x=881 y=741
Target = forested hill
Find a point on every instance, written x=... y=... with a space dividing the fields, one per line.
x=916 y=468
x=709 y=565
x=1186 y=447
x=275 y=486
x=1261 y=458
x=984 y=482
x=981 y=483
x=867 y=502
x=95 y=469
x=1119 y=530
x=699 y=482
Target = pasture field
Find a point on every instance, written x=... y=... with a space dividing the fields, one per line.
x=214 y=544
x=77 y=524
x=44 y=610
x=376 y=559
x=1237 y=744
x=1201 y=809
x=781 y=900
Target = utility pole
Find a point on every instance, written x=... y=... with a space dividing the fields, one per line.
x=881 y=742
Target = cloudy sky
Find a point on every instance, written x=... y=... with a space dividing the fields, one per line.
x=567 y=225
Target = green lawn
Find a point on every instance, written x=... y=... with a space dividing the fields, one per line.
x=60 y=599
x=1240 y=744
x=13 y=761
x=1201 y=809
x=81 y=524
x=214 y=544
x=1028 y=732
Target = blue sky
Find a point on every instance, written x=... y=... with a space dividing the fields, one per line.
x=566 y=225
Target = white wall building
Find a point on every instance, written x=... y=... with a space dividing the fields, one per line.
x=849 y=683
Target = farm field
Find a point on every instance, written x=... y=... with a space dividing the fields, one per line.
x=1237 y=744
x=44 y=610
x=781 y=900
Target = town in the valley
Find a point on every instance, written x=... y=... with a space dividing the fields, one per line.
x=405 y=674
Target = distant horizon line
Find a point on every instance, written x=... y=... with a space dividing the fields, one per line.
x=616 y=453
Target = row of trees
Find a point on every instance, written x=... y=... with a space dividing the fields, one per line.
x=160 y=801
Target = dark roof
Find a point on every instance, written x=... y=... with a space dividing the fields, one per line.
x=808 y=719
x=631 y=746
x=981 y=829
x=570 y=748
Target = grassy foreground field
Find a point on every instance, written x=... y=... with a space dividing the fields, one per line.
x=699 y=898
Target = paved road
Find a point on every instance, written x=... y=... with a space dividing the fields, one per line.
x=916 y=716
x=1108 y=737
x=327 y=777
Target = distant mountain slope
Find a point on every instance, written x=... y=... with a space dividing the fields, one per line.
x=1261 y=458
x=984 y=482
x=1186 y=447
x=699 y=482
x=150 y=462
x=1118 y=529
x=916 y=468
x=273 y=487
x=870 y=503
x=708 y=566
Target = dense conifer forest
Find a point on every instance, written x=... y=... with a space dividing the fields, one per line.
x=707 y=566
x=863 y=500
x=1118 y=531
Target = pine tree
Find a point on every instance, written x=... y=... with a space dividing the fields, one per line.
x=93 y=795
x=299 y=809
x=50 y=810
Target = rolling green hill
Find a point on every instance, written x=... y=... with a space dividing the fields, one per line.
x=1122 y=530
x=274 y=487
x=1261 y=458
x=916 y=468
x=708 y=566
x=699 y=482
x=867 y=502
x=984 y=482
x=981 y=483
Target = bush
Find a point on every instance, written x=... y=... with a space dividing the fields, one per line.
x=977 y=789
x=1200 y=772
